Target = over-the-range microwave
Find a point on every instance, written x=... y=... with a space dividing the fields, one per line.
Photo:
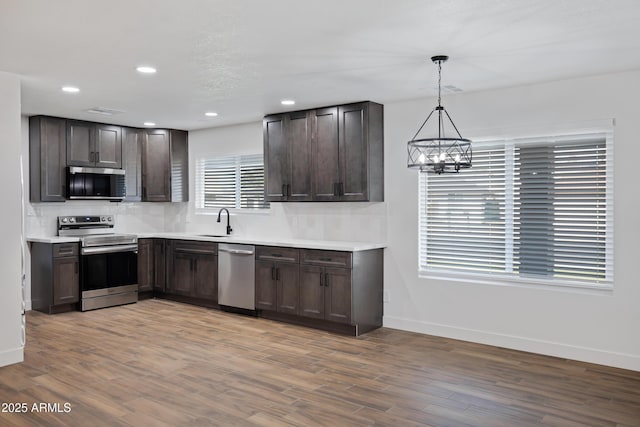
x=86 y=183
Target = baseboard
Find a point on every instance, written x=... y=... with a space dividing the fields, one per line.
x=565 y=351
x=9 y=357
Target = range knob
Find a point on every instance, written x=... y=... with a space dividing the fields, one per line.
x=65 y=220
x=72 y=219
x=110 y=219
x=103 y=219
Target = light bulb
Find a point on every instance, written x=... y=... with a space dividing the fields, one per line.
x=457 y=158
x=442 y=157
x=422 y=158
x=435 y=158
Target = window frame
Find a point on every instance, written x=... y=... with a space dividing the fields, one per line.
x=238 y=162
x=506 y=278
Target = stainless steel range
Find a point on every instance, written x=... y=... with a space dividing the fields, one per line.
x=108 y=261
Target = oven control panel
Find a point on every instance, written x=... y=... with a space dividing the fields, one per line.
x=85 y=224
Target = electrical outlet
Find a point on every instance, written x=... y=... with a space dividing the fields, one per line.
x=385 y=296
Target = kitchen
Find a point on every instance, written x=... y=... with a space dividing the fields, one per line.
x=601 y=327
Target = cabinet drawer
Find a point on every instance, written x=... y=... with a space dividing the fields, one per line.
x=65 y=249
x=326 y=258
x=272 y=253
x=195 y=247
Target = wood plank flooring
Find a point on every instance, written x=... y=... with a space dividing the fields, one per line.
x=162 y=363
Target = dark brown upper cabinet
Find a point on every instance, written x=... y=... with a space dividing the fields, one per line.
x=132 y=163
x=47 y=159
x=165 y=170
x=325 y=154
x=94 y=145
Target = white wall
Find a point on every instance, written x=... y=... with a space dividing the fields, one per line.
x=601 y=328
x=11 y=347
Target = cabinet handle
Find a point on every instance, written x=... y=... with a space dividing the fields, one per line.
x=284 y=189
x=326 y=279
x=340 y=189
x=321 y=276
x=335 y=189
x=288 y=189
x=277 y=273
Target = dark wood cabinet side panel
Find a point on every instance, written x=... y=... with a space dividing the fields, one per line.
x=179 y=166
x=275 y=158
x=41 y=276
x=353 y=152
x=376 y=152
x=367 y=288
x=326 y=154
x=311 y=292
x=145 y=265
x=265 y=286
x=159 y=265
x=132 y=163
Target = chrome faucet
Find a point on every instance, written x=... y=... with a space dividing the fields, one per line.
x=229 y=229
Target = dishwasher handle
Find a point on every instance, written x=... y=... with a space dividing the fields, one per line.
x=236 y=251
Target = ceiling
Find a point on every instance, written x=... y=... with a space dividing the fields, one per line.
x=240 y=58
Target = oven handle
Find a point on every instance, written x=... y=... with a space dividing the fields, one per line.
x=108 y=249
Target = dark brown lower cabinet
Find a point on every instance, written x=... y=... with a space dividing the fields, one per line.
x=145 y=265
x=192 y=269
x=325 y=293
x=55 y=277
x=277 y=286
x=159 y=265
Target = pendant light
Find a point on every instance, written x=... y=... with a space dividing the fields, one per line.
x=441 y=154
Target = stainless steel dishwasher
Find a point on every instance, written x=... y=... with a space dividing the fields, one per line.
x=236 y=277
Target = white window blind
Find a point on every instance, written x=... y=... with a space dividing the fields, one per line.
x=529 y=209
x=230 y=182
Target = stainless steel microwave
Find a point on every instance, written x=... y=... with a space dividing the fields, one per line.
x=84 y=183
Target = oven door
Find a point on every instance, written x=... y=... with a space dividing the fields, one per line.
x=108 y=270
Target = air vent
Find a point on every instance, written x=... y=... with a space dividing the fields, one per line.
x=104 y=111
x=451 y=89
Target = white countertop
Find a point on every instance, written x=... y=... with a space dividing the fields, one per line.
x=332 y=245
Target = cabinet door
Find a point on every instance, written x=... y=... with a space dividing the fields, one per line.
x=337 y=298
x=145 y=265
x=326 y=154
x=132 y=163
x=265 y=286
x=311 y=292
x=206 y=277
x=66 y=280
x=181 y=279
x=354 y=152
x=156 y=163
x=288 y=287
x=298 y=140
x=48 y=159
x=108 y=147
x=80 y=143
x=275 y=158
x=159 y=265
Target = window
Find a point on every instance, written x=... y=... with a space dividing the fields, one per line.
x=534 y=210
x=235 y=182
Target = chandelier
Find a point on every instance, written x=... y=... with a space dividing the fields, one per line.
x=440 y=154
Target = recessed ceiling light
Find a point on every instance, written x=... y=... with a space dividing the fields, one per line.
x=70 y=89
x=211 y=114
x=146 y=70
x=287 y=102
x=149 y=124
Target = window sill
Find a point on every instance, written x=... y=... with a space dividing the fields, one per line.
x=517 y=282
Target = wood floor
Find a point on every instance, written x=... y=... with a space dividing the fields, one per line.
x=161 y=363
